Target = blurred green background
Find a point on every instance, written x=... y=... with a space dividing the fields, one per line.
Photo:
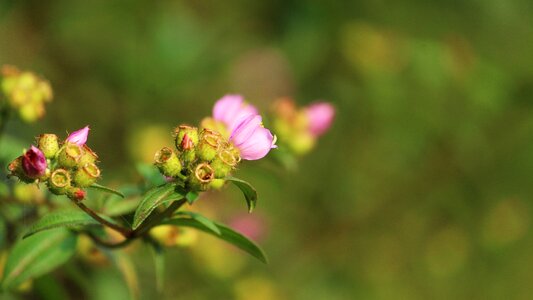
x=421 y=190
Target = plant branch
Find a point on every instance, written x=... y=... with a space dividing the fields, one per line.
x=126 y=232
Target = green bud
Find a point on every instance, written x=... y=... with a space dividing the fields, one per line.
x=208 y=145
x=167 y=162
x=70 y=155
x=186 y=137
x=217 y=183
x=59 y=182
x=224 y=162
x=48 y=144
x=88 y=157
x=87 y=175
x=202 y=176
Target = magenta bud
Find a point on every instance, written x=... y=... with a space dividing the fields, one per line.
x=15 y=169
x=34 y=163
x=79 y=137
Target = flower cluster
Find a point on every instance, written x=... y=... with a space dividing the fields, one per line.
x=204 y=157
x=299 y=128
x=67 y=168
x=25 y=92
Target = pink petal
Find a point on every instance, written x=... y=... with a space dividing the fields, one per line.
x=258 y=145
x=231 y=109
x=253 y=140
x=320 y=116
x=79 y=137
x=244 y=130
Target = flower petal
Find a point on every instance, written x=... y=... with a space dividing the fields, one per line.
x=320 y=116
x=79 y=137
x=231 y=110
x=244 y=130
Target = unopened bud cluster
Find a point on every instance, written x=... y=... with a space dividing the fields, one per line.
x=25 y=92
x=201 y=158
x=66 y=167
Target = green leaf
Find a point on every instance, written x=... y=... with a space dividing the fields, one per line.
x=227 y=234
x=126 y=267
x=61 y=219
x=249 y=192
x=198 y=217
x=122 y=207
x=191 y=197
x=152 y=199
x=159 y=263
x=106 y=189
x=3 y=233
x=38 y=255
x=150 y=174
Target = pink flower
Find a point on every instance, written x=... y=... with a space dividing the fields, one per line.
x=320 y=116
x=252 y=139
x=79 y=137
x=231 y=110
x=34 y=163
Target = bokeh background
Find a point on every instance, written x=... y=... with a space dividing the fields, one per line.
x=421 y=190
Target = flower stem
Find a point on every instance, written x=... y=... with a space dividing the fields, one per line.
x=129 y=234
x=126 y=232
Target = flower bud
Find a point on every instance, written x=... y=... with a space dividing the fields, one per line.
x=186 y=137
x=208 y=145
x=88 y=157
x=167 y=162
x=70 y=155
x=87 y=175
x=15 y=169
x=217 y=183
x=34 y=163
x=48 y=144
x=202 y=176
x=79 y=137
x=59 y=182
x=224 y=163
x=75 y=193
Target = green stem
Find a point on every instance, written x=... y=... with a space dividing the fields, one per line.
x=129 y=234
x=126 y=232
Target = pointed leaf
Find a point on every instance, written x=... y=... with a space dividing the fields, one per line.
x=126 y=267
x=250 y=194
x=61 y=219
x=205 y=221
x=191 y=197
x=227 y=234
x=37 y=255
x=152 y=200
x=106 y=189
x=159 y=263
